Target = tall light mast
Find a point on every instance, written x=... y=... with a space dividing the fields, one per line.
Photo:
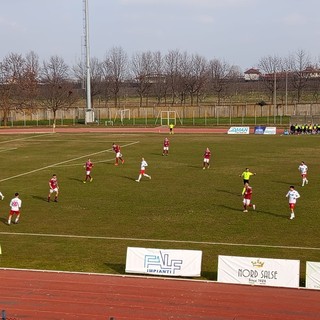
x=89 y=112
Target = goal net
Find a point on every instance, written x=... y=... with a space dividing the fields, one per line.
x=123 y=114
x=168 y=117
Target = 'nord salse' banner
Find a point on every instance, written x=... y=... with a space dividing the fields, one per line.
x=259 y=271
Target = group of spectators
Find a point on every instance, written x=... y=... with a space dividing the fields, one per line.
x=305 y=128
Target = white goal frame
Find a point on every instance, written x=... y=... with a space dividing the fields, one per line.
x=124 y=113
x=168 y=117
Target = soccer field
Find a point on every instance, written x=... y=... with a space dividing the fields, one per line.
x=181 y=207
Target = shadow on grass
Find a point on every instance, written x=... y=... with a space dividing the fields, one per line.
x=256 y=212
x=129 y=178
x=229 y=192
x=40 y=198
x=117 y=267
x=3 y=220
x=197 y=167
x=76 y=179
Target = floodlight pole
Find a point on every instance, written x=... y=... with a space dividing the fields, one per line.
x=89 y=112
x=274 y=96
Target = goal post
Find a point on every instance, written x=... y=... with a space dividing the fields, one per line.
x=123 y=114
x=168 y=117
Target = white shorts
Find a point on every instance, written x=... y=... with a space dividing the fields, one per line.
x=54 y=190
x=206 y=160
x=118 y=155
x=88 y=173
x=246 y=201
x=166 y=148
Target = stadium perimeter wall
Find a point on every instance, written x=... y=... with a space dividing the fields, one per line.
x=203 y=111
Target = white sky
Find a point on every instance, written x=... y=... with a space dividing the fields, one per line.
x=237 y=31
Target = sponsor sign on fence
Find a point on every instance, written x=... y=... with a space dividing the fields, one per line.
x=239 y=130
x=259 y=271
x=313 y=275
x=259 y=129
x=184 y=263
x=270 y=130
x=265 y=130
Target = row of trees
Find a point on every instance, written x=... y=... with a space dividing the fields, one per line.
x=175 y=77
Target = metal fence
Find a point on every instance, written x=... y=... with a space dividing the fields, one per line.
x=187 y=115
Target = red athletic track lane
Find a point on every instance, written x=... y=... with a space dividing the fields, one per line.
x=177 y=130
x=62 y=296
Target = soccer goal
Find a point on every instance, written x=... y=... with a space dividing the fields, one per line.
x=123 y=114
x=168 y=117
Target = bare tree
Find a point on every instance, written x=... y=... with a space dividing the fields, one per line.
x=29 y=83
x=160 y=84
x=96 y=74
x=297 y=64
x=220 y=73
x=142 y=68
x=271 y=65
x=195 y=76
x=172 y=67
x=115 y=71
x=11 y=74
x=56 y=90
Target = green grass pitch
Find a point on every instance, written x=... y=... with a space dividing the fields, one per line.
x=182 y=207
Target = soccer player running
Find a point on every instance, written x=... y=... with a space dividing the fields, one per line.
x=143 y=166
x=88 y=166
x=292 y=195
x=15 y=206
x=166 y=144
x=206 y=159
x=246 y=174
x=53 y=188
x=116 y=149
x=247 y=196
x=303 y=168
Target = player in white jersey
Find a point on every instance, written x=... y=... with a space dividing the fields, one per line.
x=143 y=166
x=292 y=195
x=15 y=205
x=303 y=168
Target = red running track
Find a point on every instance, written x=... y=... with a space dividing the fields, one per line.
x=61 y=296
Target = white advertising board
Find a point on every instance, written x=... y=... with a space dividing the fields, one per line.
x=313 y=275
x=270 y=130
x=239 y=130
x=259 y=271
x=184 y=263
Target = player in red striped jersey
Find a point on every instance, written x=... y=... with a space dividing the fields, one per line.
x=116 y=149
x=206 y=159
x=53 y=188
x=247 y=196
x=88 y=166
x=166 y=144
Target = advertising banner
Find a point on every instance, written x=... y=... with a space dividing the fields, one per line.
x=270 y=130
x=313 y=275
x=259 y=129
x=239 y=130
x=184 y=263
x=259 y=271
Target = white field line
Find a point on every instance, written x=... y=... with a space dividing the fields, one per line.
x=26 y=138
x=9 y=149
x=63 y=162
x=158 y=240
